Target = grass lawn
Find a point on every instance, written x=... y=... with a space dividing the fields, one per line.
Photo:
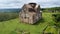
x=51 y=30
x=6 y=27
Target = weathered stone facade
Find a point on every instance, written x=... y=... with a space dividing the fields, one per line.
x=30 y=13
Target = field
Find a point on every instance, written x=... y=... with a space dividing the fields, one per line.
x=15 y=27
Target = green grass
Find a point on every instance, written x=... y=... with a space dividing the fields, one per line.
x=6 y=27
x=51 y=29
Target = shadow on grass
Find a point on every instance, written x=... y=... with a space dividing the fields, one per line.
x=40 y=21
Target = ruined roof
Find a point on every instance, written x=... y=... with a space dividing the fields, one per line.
x=33 y=3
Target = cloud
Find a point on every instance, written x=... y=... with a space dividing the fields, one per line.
x=20 y=3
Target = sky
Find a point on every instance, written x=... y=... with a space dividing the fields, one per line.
x=20 y=3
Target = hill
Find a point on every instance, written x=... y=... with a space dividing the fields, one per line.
x=10 y=10
x=14 y=26
x=53 y=9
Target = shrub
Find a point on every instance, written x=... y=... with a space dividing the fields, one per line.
x=8 y=16
x=56 y=17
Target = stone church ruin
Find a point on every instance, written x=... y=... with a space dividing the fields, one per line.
x=30 y=13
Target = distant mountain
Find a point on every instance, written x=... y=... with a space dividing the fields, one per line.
x=10 y=10
x=53 y=8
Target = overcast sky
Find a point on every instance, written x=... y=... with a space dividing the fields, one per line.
x=20 y=3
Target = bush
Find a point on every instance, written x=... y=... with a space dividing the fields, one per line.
x=56 y=17
x=8 y=16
